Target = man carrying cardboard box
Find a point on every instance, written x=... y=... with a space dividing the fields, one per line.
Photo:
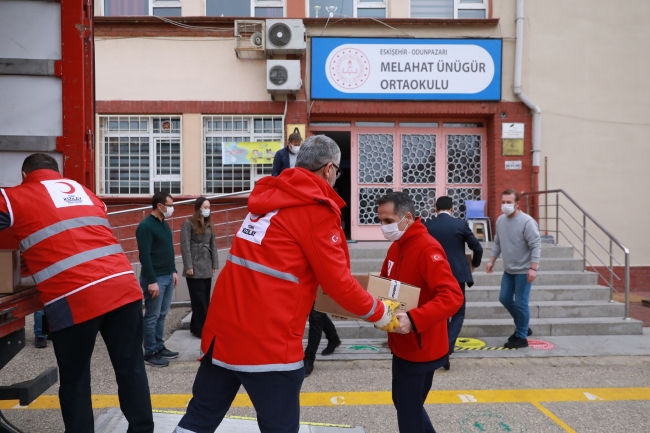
x=256 y=320
x=420 y=344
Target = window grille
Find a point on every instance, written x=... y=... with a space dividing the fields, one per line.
x=222 y=178
x=449 y=8
x=139 y=155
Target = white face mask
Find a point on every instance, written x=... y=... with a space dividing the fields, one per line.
x=205 y=213
x=169 y=213
x=294 y=149
x=508 y=209
x=392 y=232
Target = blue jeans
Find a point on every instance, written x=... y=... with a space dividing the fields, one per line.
x=155 y=311
x=38 y=323
x=515 y=293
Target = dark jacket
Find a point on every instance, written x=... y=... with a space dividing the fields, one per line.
x=453 y=234
x=156 y=248
x=199 y=251
x=281 y=161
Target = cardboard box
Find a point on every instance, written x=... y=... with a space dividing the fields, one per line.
x=381 y=288
x=9 y=271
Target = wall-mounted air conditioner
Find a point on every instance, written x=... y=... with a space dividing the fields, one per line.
x=250 y=39
x=285 y=36
x=283 y=76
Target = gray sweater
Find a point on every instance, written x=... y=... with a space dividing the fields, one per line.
x=199 y=251
x=518 y=239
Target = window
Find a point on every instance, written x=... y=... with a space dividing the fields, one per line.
x=162 y=8
x=245 y=8
x=223 y=178
x=347 y=8
x=139 y=155
x=449 y=8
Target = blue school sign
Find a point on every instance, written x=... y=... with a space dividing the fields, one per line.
x=406 y=69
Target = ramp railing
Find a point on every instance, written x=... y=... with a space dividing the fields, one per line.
x=600 y=251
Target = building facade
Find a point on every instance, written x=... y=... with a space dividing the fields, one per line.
x=172 y=90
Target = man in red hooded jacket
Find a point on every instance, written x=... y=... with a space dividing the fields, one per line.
x=290 y=242
x=420 y=344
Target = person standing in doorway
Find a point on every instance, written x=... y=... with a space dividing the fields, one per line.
x=419 y=345
x=453 y=234
x=200 y=261
x=286 y=157
x=158 y=277
x=518 y=239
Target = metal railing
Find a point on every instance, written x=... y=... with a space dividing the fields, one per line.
x=225 y=222
x=588 y=242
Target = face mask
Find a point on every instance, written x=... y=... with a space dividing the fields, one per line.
x=169 y=213
x=294 y=149
x=392 y=232
x=205 y=213
x=508 y=209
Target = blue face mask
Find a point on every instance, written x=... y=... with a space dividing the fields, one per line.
x=205 y=213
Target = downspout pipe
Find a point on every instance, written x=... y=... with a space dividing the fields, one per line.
x=536 y=111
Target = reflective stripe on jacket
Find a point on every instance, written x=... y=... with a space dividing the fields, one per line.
x=67 y=243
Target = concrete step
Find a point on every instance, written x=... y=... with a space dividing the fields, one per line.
x=377 y=250
x=478 y=328
x=558 y=292
x=544 y=278
x=362 y=266
x=546 y=264
x=547 y=309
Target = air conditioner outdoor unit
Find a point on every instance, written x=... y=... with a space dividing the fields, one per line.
x=285 y=36
x=250 y=39
x=283 y=76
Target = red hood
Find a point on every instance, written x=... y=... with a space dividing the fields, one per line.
x=294 y=187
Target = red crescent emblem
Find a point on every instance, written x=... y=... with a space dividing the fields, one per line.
x=72 y=188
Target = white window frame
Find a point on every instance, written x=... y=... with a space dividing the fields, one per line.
x=378 y=4
x=257 y=172
x=267 y=4
x=465 y=6
x=164 y=5
x=153 y=136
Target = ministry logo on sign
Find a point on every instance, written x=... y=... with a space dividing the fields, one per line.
x=348 y=68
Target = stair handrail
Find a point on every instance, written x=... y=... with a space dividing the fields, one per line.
x=585 y=215
x=190 y=200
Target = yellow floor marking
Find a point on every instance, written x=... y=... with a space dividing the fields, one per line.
x=551 y=415
x=161 y=401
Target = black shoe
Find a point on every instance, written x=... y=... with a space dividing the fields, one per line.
x=156 y=360
x=309 y=367
x=166 y=353
x=447 y=365
x=331 y=347
x=517 y=343
x=40 y=343
x=513 y=336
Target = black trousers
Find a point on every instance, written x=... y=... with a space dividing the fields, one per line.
x=199 y=289
x=275 y=396
x=411 y=384
x=456 y=322
x=318 y=323
x=121 y=330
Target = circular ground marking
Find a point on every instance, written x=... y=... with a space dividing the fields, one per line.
x=490 y=422
x=540 y=345
x=469 y=343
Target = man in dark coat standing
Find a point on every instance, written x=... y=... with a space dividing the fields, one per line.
x=286 y=157
x=453 y=234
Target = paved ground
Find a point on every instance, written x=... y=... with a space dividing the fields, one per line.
x=481 y=393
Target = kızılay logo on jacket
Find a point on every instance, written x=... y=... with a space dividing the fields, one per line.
x=348 y=68
x=66 y=192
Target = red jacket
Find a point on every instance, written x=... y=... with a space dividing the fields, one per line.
x=418 y=259
x=69 y=248
x=290 y=242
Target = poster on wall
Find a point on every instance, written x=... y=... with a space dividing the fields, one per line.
x=406 y=69
x=249 y=152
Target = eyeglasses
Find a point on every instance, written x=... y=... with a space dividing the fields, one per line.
x=339 y=173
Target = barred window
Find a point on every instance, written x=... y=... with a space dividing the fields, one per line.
x=449 y=8
x=223 y=178
x=139 y=155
